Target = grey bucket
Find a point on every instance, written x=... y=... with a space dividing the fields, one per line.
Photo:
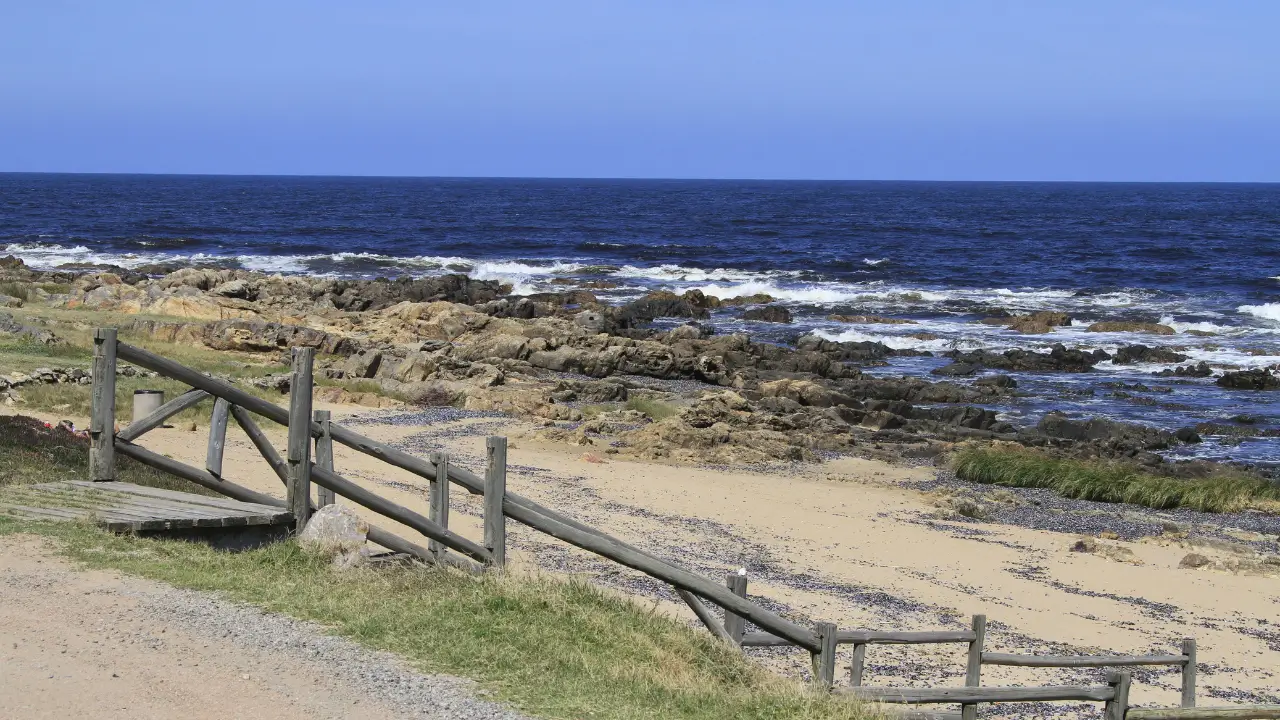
x=146 y=402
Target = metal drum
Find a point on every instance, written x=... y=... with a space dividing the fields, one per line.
x=146 y=402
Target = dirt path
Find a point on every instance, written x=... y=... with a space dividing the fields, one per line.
x=91 y=644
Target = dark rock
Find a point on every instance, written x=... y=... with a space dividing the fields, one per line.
x=1115 y=436
x=1249 y=380
x=10 y=261
x=999 y=381
x=1199 y=370
x=1131 y=354
x=768 y=313
x=658 y=305
x=1187 y=435
x=1059 y=359
x=957 y=369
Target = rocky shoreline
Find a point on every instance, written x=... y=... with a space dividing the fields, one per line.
x=604 y=376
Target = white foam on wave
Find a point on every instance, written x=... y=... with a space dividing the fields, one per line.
x=875 y=262
x=1266 y=311
x=682 y=274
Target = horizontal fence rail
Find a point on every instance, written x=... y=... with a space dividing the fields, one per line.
x=1079 y=661
x=1253 y=712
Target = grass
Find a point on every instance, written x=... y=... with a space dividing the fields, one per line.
x=26 y=290
x=1223 y=491
x=652 y=407
x=551 y=647
x=34 y=453
x=76 y=400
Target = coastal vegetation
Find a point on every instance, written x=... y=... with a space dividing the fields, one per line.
x=1224 y=489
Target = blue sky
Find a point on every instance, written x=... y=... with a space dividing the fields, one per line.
x=912 y=89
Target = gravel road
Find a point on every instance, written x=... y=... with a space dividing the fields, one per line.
x=93 y=644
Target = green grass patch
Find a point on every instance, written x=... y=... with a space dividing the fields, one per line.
x=654 y=408
x=1223 y=491
x=75 y=401
x=33 y=453
x=552 y=648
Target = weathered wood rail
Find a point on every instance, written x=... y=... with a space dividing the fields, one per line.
x=309 y=460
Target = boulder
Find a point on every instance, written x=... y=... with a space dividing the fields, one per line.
x=1058 y=359
x=1200 y=370
x=1117 y=437
x=1035 y=323
x=659 y=305
x=870 y=320
x=1131 y=354
x=1259 y=379
x=806 y=392
x=363 y=364
x=1138 y=327
x=768 y=313
x=1194 y=560
x=335 y=531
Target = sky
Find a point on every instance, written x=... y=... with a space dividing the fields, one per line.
x=1135 y=90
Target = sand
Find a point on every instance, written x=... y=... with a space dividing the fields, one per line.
x=852 y=542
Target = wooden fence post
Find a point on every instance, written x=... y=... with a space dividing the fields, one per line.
x=439 y=492
x=324 y=456
x=495 y=491
x=1118 y=706
x=973 y=671
x=856 y=665
x=299 y=454
x=102 y=416
x=824 y=661
x=1189 y=673
x=734 y=624
x=217 y=437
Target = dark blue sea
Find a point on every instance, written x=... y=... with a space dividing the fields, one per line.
x=1203 y=259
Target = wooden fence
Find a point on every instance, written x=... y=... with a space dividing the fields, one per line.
x=299 y=469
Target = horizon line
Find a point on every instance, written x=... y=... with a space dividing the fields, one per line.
x=602 y=178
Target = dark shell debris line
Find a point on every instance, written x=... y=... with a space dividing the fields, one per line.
x=718 y=549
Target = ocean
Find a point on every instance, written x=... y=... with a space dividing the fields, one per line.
x=1202 y=259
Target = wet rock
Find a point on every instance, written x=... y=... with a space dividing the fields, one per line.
x=740 y=300
x=1113 y=435
x=870 y=320
x=1131 y=354
x=1033 y=324
x=768 y=313
x=1259 y=379
x=1123 y=326
x=1199 y=370
x=1058 y=359
x=659 y=305
x=1187 y=435
x=957 y=369
x=997 y=381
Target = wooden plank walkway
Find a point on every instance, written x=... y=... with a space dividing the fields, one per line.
x=124 y=507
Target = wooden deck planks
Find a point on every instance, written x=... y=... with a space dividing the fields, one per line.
x=122 y=507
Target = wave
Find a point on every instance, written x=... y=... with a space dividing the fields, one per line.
x=876 y=263
x=1267 y=311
